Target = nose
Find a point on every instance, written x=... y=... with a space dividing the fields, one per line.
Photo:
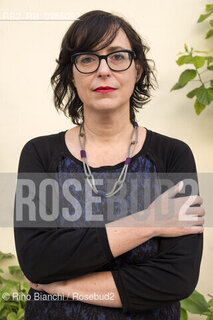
x=103 y=69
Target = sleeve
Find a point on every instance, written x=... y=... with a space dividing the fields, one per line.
x=172 y=274
x=52 y=254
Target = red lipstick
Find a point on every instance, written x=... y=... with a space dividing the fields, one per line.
x=104 y=89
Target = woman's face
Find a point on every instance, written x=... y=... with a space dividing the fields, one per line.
x=123 y=82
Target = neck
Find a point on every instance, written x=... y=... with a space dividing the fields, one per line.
x=106 y=131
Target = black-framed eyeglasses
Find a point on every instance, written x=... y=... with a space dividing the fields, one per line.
x=88 y=62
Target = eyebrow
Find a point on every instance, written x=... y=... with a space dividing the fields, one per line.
x=115 y=48
x=111 y=49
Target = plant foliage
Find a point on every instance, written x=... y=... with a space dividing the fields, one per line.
x=200 y=62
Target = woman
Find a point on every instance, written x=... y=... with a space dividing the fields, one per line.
x=137 y=268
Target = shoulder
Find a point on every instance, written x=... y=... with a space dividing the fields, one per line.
x=40 y=151
x=167 y=144
x=46 y=142
x=170 y=153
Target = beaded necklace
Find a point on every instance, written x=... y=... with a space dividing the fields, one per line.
x=90 y=178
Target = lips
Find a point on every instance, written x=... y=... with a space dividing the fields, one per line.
x=104 y=89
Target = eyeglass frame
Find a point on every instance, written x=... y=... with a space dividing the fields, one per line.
x=100 y=57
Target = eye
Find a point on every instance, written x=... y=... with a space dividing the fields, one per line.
x=117 y=56
x=86 y=59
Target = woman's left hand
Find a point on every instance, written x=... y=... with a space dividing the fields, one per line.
x=57 y=287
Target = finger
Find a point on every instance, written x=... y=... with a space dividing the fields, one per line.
x=195 y=221
x=39 y=287
x=196 y=211
x=200 y=221
x=196 y=199
x=186 y=202
x=34 y=286
x=194 y=229
x=173 y=190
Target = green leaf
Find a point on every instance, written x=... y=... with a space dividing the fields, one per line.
x=199 y=51
x=210 y=302
x=185 y=77
x=20 y=314
x=210 y=317
x=198 y=109
x=25 y=286
x=12 y=304
x=211 y=83
x=210 y=67
x=195 y=303
x=9 y=289
x=11 y=316
x=192 y=93
x=186 y=47
x=2 y=304
x=209 y=34
x=209 y=7
x=15 y=270
x=209 y=59
x=5 y=255
x=10 y=282
x=184 y=60
x=207 y=313
x=4 y=313
x=198 y=61
x=204 y=16
x=176 y=87
x=211 y=22
x=180 y=53
x=183 y=314
x=205 y=95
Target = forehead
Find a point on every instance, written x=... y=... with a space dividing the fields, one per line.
x=120 y=42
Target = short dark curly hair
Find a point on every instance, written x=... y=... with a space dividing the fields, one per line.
x=91 y=29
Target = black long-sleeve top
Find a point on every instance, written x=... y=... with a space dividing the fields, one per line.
x=152 y=278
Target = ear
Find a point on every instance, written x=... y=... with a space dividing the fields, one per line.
x=139 y=71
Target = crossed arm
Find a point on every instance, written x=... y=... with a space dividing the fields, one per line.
x=89 y=287
x=96 y=288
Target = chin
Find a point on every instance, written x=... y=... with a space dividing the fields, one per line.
x=107 y=104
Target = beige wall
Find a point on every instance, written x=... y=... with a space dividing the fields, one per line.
x=28 y=53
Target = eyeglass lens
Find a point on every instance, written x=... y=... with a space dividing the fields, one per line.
x=117 y=61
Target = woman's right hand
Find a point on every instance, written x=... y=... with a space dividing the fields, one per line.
x=172 y=217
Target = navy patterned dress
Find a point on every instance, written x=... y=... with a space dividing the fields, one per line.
x=43 y=308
